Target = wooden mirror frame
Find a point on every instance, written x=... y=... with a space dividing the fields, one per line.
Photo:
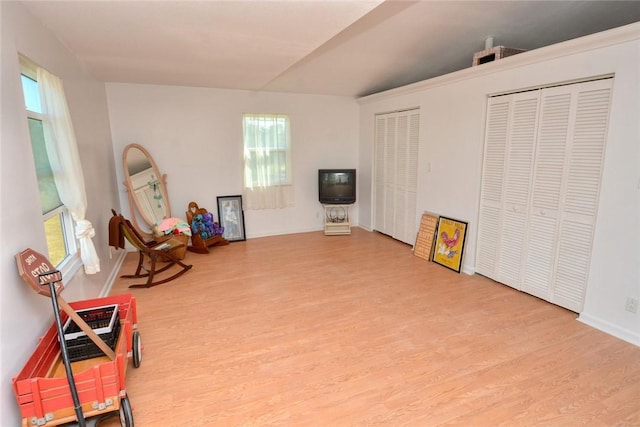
x=142 y=176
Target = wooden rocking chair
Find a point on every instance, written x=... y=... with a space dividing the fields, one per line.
x=152 y=251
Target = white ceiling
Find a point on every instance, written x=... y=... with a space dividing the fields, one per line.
x=332 y=47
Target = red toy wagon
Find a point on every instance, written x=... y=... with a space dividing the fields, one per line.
x=81 y=375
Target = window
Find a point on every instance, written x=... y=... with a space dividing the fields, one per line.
x=267 y=161
x=266 y=150
x=55 y=216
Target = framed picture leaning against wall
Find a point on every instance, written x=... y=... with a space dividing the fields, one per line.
x=231 y=217
x=449 y=244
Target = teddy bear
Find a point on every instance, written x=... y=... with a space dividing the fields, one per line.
x=204 y=226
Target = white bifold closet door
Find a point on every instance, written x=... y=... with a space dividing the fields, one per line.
x=543 y=158
x=396 y=174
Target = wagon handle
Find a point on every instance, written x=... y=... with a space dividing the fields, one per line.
x=36 y=270
x=53 y=277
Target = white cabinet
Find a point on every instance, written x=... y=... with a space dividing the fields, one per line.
x=543 y=158
x=336 y=220
x=395 y=174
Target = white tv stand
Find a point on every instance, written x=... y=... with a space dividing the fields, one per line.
x=336 y=220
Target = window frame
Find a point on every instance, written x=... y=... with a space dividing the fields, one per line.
x=71 y=263
x=286 y=151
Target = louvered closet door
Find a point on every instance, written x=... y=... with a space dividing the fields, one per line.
x=389 y=175
x=583 y=173
x=400 y=188
x=406 y=176
x=379 y=172
x=508 y=159
x=412 y=177
x=555 y=116
x=541 y=179
x=495 y=148
x=519 y=154
x=396 y=170
x=384 y=170
x=566 y=185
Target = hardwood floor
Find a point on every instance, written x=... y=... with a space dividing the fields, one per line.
x=310 y=330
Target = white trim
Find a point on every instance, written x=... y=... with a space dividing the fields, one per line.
x=270 y=233
x=364 y=227
x=28 y=67
x=402 y=110
x=609 y=328
x=35 y=115
x=563 y=83
x=468 y=269
x=69 y=267
x=600 y=40
x=106 y=289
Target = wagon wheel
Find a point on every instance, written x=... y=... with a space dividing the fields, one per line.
x=137 y=349
x=126 y=414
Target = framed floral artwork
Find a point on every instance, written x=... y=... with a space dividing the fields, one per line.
x=449 y=246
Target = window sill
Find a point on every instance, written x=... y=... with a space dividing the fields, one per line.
x=69 y=267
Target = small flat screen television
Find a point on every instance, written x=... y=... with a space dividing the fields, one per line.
x=337 y=186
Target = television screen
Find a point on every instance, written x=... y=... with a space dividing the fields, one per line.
x=337 y=186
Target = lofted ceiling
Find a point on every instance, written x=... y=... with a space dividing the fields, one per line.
x=330 y=47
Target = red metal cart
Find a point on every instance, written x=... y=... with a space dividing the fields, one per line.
x=46 y=394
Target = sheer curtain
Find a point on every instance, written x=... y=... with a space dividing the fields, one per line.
x=63 y=155
x=267 y=161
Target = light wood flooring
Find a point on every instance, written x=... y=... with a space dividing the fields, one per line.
x=310 y=330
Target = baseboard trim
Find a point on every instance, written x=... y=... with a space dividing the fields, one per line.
x=106 y=289
x=466 y=269
x=611 y=329
x=281 y=232
x=285 y=232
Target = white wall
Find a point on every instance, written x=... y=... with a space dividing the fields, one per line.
x=195 y=137
x=24 y=315
x=453 y=110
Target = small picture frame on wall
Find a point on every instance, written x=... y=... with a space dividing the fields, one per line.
x=449 y=245
x=231 y=217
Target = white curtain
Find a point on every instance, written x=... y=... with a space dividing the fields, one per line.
x=274 y=197
x=63 y=155
x=267 y=162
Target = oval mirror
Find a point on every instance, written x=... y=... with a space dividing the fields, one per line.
x=146 y=187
